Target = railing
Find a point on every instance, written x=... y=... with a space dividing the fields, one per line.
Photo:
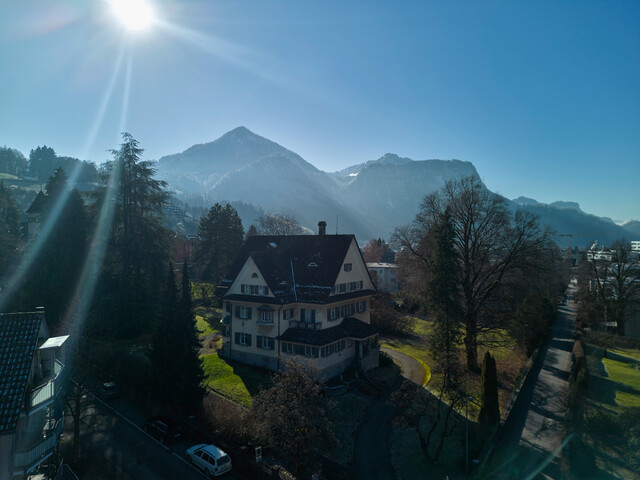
x=47 y=391
x=265 y=322
x=307 y=325
x=29 y=458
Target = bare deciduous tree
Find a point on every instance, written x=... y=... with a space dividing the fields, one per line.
x=278 y=224
x=490 y=244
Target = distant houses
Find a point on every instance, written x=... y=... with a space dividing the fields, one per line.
x=300 y=296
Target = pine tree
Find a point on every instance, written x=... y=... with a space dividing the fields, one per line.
x=490 y=410
x=191 y=380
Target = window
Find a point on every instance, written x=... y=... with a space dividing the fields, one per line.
x=352 y=286
x=288 y=347
x=243 y=339
x=362 y=306
x=228 y=306
x=265 y=316
x=287 y=313
x=342 y=288
x=265 y=291
x=360 y=285
x=248 y=289
x=243 y=312
x=307 y=315
x=254 y=275
x=266 y=343
x=347 y=267
x=332 y=313
x=310 y=351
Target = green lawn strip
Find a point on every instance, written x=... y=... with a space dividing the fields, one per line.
x=203 y=326
x=628 y=352
x=627 y=380
x=220 y=376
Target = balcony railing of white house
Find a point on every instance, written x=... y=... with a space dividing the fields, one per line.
x=45 y=392
x=308 y=325
x=37 y=453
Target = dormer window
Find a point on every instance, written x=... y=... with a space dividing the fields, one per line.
x=312 y=265
x=254 y=275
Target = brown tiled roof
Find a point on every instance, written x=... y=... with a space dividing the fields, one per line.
x=297 y=268
x=18 y=341
x=349 y=328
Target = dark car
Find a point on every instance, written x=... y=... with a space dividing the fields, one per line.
x=163 y=429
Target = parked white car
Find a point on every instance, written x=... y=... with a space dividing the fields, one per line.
x=209 y=458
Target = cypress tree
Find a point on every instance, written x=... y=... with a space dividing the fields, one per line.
x=490 y=410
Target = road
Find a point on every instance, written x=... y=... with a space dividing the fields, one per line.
x=531 y=440
x=372 y=455
x=114 y=447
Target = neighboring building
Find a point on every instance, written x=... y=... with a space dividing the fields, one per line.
x=183 y=248
x=384 y=276
x=31 y=411
x=300 y=296
x=635 y=245
x=34 y=215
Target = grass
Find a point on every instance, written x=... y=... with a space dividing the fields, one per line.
x=235 y=381
x=629 y=352
x=614 y=388
x=626 y=379
x=7 y=176
x=503 y=347
x=203 y=326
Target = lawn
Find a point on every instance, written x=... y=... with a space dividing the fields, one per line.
x=614 y=388
x=509 y=359
x=203 y=326
x=232 y=380
x=629 y=352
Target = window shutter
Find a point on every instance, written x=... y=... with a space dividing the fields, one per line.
x=249 y=313
x=303 y=318
x=248 y=339
x=237 y=337
x=259 y=340
x=272 y=344
x=313 y=315
x=237 y=311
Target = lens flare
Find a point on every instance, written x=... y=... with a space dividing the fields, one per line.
x=135 y=15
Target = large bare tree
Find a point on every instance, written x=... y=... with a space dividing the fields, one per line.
x=490 y=243
x=278 y=224
x=617 y=283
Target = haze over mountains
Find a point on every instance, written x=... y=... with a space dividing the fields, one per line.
x=367 y=199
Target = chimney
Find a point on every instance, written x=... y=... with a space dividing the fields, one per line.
x=322 y=227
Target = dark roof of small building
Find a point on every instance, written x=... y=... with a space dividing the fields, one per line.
x=349 y=328
x=297 y=268
x=18 y=342
x=37 y=206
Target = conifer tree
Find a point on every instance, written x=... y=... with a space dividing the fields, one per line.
x=490 y=410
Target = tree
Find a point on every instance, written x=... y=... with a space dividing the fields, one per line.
x=372 y=251
x=617 y=283
x=12 y=161
x=221 y=236
x=490 y=409
x=139 y=245
x=42 y=162
x=190 y=386
x=278 y=224
x=52 y=279
x=489 y=242
x=9 y=229
x=290 y=415
x=252 y=231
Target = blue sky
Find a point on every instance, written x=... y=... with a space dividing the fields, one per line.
x=542 y=97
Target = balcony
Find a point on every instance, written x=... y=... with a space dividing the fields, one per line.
x=307 y=325
x=40 y=396
x=267 y=323
x=40 y=449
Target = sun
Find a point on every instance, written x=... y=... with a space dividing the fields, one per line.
x=135 y=15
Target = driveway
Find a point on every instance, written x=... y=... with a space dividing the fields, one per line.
x=372 y=454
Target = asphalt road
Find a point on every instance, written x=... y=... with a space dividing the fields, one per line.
x=372 y=455
x=113 y=447
x=532 y=438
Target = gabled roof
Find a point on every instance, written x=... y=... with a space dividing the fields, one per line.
x=18 y=341
x=37 y=206
x=297 y=268
x=349 y=328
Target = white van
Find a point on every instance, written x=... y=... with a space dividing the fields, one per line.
x=209 y=458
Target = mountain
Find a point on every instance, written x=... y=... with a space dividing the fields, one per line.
x=368 y=199
x=633 y=227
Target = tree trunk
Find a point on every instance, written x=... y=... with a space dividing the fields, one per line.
x=471 y=344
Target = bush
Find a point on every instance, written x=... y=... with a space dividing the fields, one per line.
x=387 y=320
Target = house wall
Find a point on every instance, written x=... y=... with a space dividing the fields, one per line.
x=358 y=268
x=249 y=275
x=6 y=452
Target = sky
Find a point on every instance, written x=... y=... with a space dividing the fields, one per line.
x=543 y=97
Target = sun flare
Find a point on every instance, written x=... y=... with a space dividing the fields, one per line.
x=135 y=15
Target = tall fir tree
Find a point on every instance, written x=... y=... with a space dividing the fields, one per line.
x=490 y=410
